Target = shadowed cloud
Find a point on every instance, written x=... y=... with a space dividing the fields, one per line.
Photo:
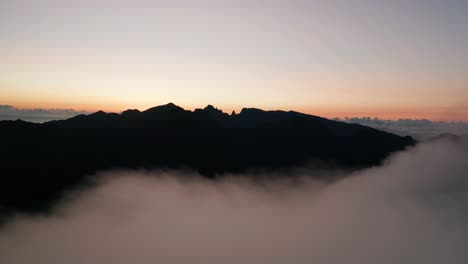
x=410 y=210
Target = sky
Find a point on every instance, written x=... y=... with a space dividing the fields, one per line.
x=390 y=59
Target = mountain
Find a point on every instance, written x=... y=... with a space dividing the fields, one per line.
x=39 y=161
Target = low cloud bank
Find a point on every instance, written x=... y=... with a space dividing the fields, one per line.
x=420 y=129
x=411 y=210
x=36 y=115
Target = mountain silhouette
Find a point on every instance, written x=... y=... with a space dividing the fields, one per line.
x=39 y=161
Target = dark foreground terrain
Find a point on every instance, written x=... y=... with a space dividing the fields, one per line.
x=39 y=161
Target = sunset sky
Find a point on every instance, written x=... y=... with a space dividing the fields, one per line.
x=391 y=59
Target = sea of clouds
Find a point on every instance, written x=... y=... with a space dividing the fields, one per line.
x=413 y=209
x=420 y=129
x=37 y=115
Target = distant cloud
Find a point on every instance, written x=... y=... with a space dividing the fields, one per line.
x=38 y=115
x=418 y=128
x=6 y=107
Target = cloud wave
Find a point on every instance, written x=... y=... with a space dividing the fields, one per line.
x=410 y=210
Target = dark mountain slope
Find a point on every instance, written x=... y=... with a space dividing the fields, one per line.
x=39 y=161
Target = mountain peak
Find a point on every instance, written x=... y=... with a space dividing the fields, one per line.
x=130 y=112
x=247 y=110
x=212 y=109
x=99 y=113
x=170 y=107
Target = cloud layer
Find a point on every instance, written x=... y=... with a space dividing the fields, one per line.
x=38 y=115
x=411 y=210
x=420 y=129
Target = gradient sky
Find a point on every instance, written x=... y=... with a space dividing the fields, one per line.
x=332 y=58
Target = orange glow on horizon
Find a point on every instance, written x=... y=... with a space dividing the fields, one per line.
x=433 y=114
x=323 y=59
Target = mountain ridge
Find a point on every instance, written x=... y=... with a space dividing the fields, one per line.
x=40 y=161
